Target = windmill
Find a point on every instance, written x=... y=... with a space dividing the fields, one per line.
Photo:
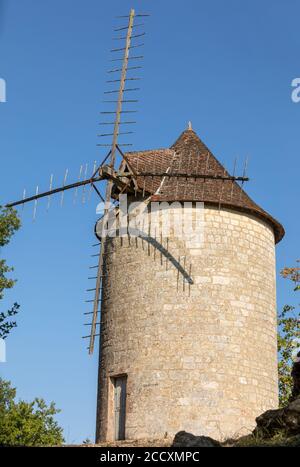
x=126 y=178
x=154 y=343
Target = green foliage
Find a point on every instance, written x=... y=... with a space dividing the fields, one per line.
x=5 y=325
x=27 y=423
x=9 y=223
x=280 y=439
x=288 y=338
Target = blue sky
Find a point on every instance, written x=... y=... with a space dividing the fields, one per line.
x=226 y=66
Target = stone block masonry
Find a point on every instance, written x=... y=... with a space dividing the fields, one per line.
x=201 y=357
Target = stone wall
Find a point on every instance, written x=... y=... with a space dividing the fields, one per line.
x=199 y=357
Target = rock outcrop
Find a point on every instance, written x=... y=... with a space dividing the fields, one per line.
x=187 y=440
x=285 y=420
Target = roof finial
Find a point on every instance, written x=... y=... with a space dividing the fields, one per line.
x=190 y=125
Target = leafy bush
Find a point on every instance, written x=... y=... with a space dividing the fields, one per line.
x=27 y=423
x=288 y=338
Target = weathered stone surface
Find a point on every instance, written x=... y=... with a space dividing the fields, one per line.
x=201 y=357
x=269 y=422
x=292 y=416
x=286 y=420
x=187 y=440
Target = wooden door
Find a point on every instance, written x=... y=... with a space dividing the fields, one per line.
x=120 y=406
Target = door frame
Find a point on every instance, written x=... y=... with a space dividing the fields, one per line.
x=112 y=429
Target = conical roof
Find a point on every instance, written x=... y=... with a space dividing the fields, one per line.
x=189 y=155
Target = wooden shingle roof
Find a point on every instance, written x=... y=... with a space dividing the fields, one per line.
x=189 y=155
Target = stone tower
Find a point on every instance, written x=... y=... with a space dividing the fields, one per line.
x=199 y=356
